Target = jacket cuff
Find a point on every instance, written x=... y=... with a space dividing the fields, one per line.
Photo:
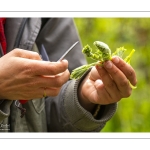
x=5 y=109
x=80 y=118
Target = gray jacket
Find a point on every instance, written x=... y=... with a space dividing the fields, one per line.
x=62 y=113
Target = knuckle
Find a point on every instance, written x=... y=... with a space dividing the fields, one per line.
x=122 y=65
x=125 y=94
x=115 y=71
x=16 y=51
x=32 y=84
x=124 y=83
x=131 y=75
x=28 y=69
x=128 y=93
x=36 y=54
x=110 y=84
x=116 y=98
x=102 y=74
x=58 y=82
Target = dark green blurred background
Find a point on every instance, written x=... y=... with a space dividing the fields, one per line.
x=133 y=33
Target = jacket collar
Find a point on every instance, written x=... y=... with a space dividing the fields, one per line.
x=30 y=32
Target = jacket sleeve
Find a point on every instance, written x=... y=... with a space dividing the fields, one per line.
x=4 y=109
x=65 y=114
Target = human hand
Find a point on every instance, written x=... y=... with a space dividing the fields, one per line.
x=23 y=75
x=107 y=84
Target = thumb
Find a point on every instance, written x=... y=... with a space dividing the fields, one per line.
x=94 y=75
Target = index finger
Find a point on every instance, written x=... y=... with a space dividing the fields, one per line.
x=25 y=54
x=35 y=67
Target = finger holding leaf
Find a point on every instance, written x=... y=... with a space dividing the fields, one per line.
x=108 y=80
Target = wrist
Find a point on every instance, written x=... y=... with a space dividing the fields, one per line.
x=83 y=100
x=91 y=107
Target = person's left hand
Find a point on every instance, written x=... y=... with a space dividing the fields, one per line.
x=107 y=84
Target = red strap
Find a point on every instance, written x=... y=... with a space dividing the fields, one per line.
x=2 y=35
x=4 y=44
x=22 y=101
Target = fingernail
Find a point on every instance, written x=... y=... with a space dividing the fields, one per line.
x=116 y=60
x=108 y=64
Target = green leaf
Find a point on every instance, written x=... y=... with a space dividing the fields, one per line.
x=102 y=54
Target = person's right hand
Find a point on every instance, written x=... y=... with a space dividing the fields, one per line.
x=23 y=75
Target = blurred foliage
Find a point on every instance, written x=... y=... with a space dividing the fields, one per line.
x=133 y=33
